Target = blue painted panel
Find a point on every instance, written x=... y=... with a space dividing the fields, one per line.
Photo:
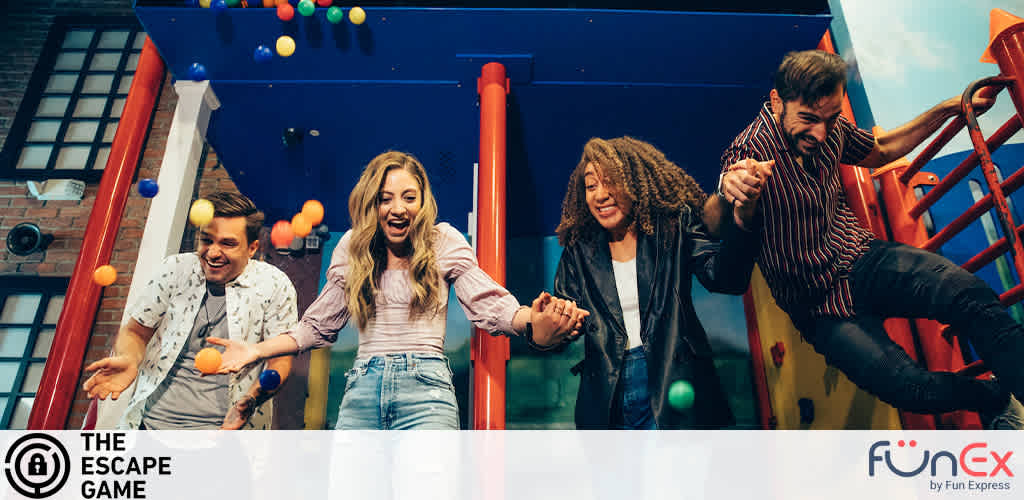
x=687 y=82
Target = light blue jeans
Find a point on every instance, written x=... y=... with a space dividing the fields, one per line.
x=636 y=396
x=399 y=391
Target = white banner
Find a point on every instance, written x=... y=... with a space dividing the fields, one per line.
x=509 y=465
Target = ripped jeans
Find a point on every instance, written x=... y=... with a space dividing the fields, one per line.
x=399 y=391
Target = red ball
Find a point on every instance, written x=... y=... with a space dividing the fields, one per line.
x=324 y=3
x=285 y=11
x=281 y=235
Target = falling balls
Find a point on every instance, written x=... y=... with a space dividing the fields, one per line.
x=197 y=72
x=269 y=380
x=285 y=46
x=104 y=275
x=201 y=212
x=335 y=14
x=307 y=8
x=208 y=360
x=262 y=54
x=680 y=395
x=301 y=225
x=285 y=11
x=148 y=188
x=357 y=15
x=313 y=211
x=281 y=235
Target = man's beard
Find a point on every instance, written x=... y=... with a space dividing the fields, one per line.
x=794 y=141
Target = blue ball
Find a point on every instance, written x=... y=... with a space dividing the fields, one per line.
x=262 y=54
x=197 y=72
x=192 y=3
x=270 y=379
x=219 y=5
x=148 y=188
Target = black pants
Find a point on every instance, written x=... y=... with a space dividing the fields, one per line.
x=896 y=280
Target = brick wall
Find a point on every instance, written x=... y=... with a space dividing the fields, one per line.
x=23 y=31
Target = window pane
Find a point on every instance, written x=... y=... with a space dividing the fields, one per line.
x=69 y=61
x=34 y=157
x=101 y=159
x=53 y=106
x=89 y=107
x=97 y=84
x=32 y=377
x=43 y=130
x=72 y=158
x=8 y=370
x=13 y=341
x=61 y=83
x=133 y=61
x=108 y=136
x=19 y=421
x=140 y=39
x=113 y=39
x=43 y=343
x=53 y=310
x=20 y=308
x=81 y=131
x=126 y=84
x=117 y=108
x=105 y=61
x=78 y=39
x=3 y=405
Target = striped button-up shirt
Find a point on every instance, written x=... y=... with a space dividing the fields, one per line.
x=810 y=238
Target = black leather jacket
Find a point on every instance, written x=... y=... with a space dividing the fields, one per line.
x=676 y=345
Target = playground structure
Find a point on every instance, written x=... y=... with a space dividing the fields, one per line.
x=538 y=93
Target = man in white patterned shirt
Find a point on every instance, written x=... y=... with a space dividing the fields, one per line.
x=217 y=292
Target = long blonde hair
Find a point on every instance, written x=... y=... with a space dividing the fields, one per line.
x=368 y=253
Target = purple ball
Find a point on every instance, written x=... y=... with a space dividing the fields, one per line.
x=262 y=54
x=197 y=72
x=148 y=188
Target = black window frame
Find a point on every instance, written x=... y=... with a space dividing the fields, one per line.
x=15 y=285
x=17 y=137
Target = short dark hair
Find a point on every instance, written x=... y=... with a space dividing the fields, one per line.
x=230 y=204
x=809 y=75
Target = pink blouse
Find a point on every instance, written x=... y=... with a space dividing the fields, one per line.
x=487 y=304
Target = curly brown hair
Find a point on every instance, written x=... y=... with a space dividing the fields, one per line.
x=658 y=188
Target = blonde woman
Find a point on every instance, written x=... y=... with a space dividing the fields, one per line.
x=391 y=273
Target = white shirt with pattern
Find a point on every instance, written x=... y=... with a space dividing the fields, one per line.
x=260 y=304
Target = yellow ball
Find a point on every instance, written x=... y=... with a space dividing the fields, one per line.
x=357 y=15
x=285 y=46
x=204 y=4
x=201 y=212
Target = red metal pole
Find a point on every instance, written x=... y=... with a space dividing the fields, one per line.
x=64 y=364
x=1012 y=183
x=490 y=354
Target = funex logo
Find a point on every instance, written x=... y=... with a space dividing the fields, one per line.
x=975 y=460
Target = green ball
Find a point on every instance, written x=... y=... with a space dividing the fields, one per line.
x=680 y=395
x=306 y=7
x=335 y=14
x=233 y=3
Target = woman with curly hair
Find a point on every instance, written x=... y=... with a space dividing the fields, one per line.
x=633 y=236
x=391 y=274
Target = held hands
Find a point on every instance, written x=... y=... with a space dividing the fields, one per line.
x=555 y=320
x=741 y=187
x=236 y=355
x=113 y=375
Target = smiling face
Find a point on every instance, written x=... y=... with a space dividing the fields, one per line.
x=224 y=249
x=398 y=202
x=608 y=203
x=806 y=127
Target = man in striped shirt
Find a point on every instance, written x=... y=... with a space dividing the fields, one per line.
x=833 y=277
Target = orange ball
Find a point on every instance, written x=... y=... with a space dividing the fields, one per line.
x=104 y=275
x=208 y=360
x=314 y=212
x=281 y=235
x=270 y=3
x=301 y=225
